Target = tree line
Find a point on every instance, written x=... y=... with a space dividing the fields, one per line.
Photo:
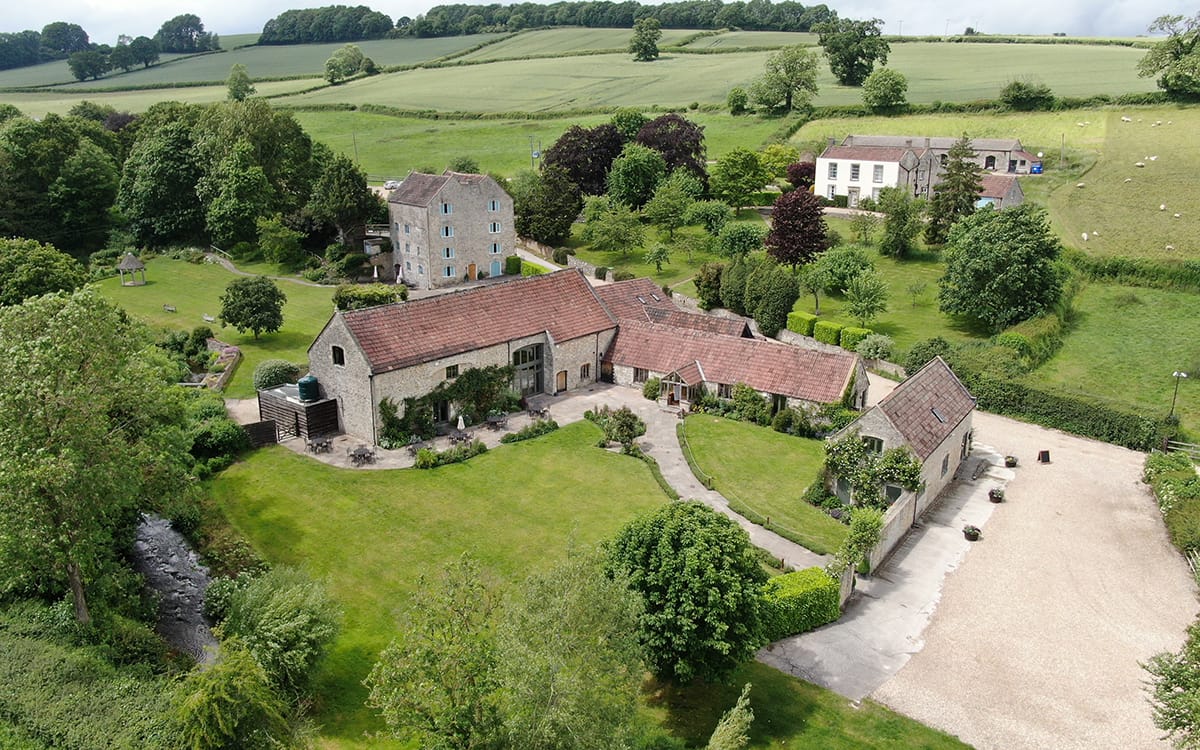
x=61 y=40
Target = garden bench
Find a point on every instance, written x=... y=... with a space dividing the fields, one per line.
x=207 y=318
x=168 y=308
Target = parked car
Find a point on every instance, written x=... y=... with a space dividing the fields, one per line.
x=391 y=184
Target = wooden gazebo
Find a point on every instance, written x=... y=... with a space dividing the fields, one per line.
x=131 y=264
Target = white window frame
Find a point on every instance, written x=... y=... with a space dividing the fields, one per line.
x=447 y=231
x=448 y=253
x=833 y=170
x=855 y=172
x=407 y=229
x=877 y=173
x=493 y=205
x=448 y=272
x=497 y=248
x=494 y=227
x=447 y=209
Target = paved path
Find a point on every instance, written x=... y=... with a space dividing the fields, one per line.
x=228 y=265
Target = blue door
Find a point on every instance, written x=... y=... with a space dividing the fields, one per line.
x=495 y=268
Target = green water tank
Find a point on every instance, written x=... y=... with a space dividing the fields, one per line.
x=310 y=389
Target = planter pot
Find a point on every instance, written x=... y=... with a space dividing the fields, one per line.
x=1010 y=461
x=996 y=495
x=971 y=535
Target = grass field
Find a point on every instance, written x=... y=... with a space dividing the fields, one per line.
x=369 y=534
x=1123 y=347
x=767 y=471
x=195 y=290
x=60 y=101
x=740 y=39
x=50 y=73
x=566 y=41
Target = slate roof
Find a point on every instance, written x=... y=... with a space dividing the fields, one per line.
x=996 y=185
x=717 y=324
x=409 y=333
x=767 y=366
x=642 y=299
x=927 y=407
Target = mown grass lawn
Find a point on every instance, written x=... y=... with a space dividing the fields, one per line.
x=1123 y=346
x=195 y=289
x=767 y=471
x=742 y=39
x=370 y=534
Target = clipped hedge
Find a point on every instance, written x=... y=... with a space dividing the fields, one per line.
x=274 y=372
x=537 y=428
x=1177 y=488
x=798 y=602
x=851 y=336
x=827 y=332
x=801 y=322
x=1035 y=340
x=512 y=265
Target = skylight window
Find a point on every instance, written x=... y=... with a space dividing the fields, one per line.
x=938 y=414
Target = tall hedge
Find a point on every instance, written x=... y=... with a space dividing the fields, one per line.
x=512 y=265
x=827 y=332
x=798 y=602
x=801 y=322
x=851 y=336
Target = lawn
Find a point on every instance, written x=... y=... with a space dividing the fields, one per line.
x=370 y=534
x=194 y=289
x=768 y=472
x=567 y=41
x=1124 y=345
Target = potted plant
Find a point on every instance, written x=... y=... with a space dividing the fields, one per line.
x=971 y=532
x=1010 y=461
x=996 y=495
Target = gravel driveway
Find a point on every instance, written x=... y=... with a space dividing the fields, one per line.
x=1038 y=636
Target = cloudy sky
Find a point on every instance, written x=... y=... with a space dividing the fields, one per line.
x=105 y=19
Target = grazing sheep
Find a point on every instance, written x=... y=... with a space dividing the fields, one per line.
x=1126 y=119
x=1153 y=158
x=1129 y=179
x=1079 y=184
x=1170 y=247
x=1162 y=206
x=1139 y=164
x=1085 y=237
x=1178 y=215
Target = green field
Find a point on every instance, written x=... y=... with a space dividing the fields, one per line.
x=566 y=41
x=60 y=101
x=741 y=39
x=1124 y=344
x=50 y=73
x=194 y=289
x=767 y=471
x=369 y=534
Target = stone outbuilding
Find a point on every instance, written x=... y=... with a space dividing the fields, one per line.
x=1000 y=191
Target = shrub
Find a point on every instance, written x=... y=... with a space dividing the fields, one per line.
x=798 y=602
x=739 y=239
x=623 y=276
x=601 y=272
x=219 y=595
x=750 y=405
x=1035 y=340
x=274 y=372
x=359 y=296
x=512 y=265
x=827 y=332
x=218 y=437
x=1026 y=95
x=840 y=265
x=651 y=388
x=427 y=458
x=538 y=428
x=852 y=336
x=801 y=322
x=560 y=256
x=923 y=352
x=623 y=426
x=712 y=215
x=875 y=346
x=783 y=420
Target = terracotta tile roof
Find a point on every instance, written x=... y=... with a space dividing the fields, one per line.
x=996 y=185
x=690 y=374
x=767 y=366
x=418 y=189
x=928 y=406
x=642 y=299
x=718 y=324
x=408 y=333
x=865 y=153
x=1027 y=156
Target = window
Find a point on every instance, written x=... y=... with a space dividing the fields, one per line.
x=724 y=390
x=945 y=464
x=875 y=193
x=873 y=444
x=397 y=227
x=408 y=265
x=407 y=247
x=892 y=493
x=420 y=269
x=833 y=170
x=496 y=249
x=585 y=372
x=640 y=375
x=448 y=272
x=943 y=159
x=339 y=356
x=493 y=205
x=447 y=209
x=451 y=372
x=447 y=231
x=855 y=170
x=448 y=252
x=407 y=229
x=877 y=173
x=494 y=227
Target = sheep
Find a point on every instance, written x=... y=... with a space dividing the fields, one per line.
x=1162 y=206
x=1085 y=236
x=1126 y=119
x=1139 y=164
x=1079 y=184
x=1129 y=179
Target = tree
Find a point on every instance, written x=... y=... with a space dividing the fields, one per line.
x=253 y=303
x=679 y=140
x=547 y=205
x=798 y=230
x=700 y=584
x=669 y=205
x=738 y=176
x=628 y=121
x=586 y=155
x=569 y=660
x=956 y=194
x=436 y=683
x=185 y=33
x=738 y=101
x=145 y=51
x=615 y=227
x=776 y=157
x=465 y=164
x=87 y=64
x=238 y=83
x=885 y=89
x=344 y=63
x=1000 y=267
x=1175 y=691
x=841 y=264
x=777 y=299
x=644 y=44
x=635 y=174
x=733 y=282
x=866 y=296
x=279 y=243
x=1026 y=95
x=1176 y=59
x=121 y=57
x=658 y=255
x=852 y=48
x=157 y=193
x=83 y=195
x=61 y=39
x=708 y=285
x=340 y=197
x=29 y=269
x=902 y=221
x=712 y=215
x=737 y=240
x=802 y=174
x=623 y=426
x=789 y=80
x=733 y=730
x=814 y=279
x=243 y=195
x=923 y=352
x=91 y=428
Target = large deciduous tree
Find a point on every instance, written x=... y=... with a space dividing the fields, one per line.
x=1000 y=267
x=145 y=51
x=635 y=174
x=612 y=226
x=158 y=187
x=1176 y=59
x=90 y=426
x=546 y=204
x=956 y=194
x=340 y=197
x=242 y=194
x=780 y=291
x=254 y=303
x=737 y=176
x=644 y=44
x=669 y=205
x=902 y=221
x=789 y=80
x=798 y=230
x=87 y=64
x=586 y=155
x=700 y=584
x=184 y=33
x=61 y=39
x=852 y=48
x=885 y=89
x=83 y=195
x=344 y=63
x=29 y=269
x=679 y=140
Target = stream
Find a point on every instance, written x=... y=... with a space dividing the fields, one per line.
x=174 y=573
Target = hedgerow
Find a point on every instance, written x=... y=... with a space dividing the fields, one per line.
x=801 y=322
x=798 y=602
x=851 y=336
x=827 y=332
